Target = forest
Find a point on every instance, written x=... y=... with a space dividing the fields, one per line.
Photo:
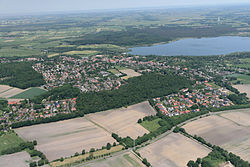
x=20 y=75
x=148 y=35
x=137 y=89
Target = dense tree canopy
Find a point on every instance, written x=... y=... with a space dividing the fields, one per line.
x=62 y=92
x=136 y=90
x=20 y=75
x=148 y=35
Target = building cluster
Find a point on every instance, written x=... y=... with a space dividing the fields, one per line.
x=203 y=95
x=88 y=73
x=23 y=111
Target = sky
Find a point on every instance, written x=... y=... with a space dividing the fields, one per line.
x=38 y=6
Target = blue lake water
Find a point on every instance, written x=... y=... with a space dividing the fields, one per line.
x=197 y=47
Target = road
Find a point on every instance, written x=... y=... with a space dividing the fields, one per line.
x=130 y=150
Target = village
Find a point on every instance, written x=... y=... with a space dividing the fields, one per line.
x=203 y=95
x=25 y=110
x=102 y=72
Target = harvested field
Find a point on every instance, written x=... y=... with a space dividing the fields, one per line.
x=65 y=138
x=124 y=160
x=241 y=117
x=243 y=89
x=174 y=150
x=223 y=132
x=7 y=91
x=29 y=93
x=4 y=88
x=124 y=121
x=53 y=55
x=13 y=160
x=130 y=73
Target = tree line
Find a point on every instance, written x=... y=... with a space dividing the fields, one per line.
x=132 y=36
x=166 y=123
x=217 y=154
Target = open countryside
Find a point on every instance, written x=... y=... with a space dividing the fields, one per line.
x=224 y=131
x=20 y=159
x=7 y=91
x=123 y=160
x=65 y=138
x=244 y=89
x=141 y=86
x=174 y=150
x=124 y=121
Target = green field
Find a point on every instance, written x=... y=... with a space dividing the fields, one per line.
x=113 y=71
x=83 y=52
x=213 y=161
x=244 y=79
x=241 y=63
x=98 y=46
x=9 y=140
x=151 y=125
x=120 y=68
x=28 y=94
x=214 y=85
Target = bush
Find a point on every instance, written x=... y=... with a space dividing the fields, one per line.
x=92 y=150
x=83 y=152
x=33 y=164
x=108 y=146
x=41 y=162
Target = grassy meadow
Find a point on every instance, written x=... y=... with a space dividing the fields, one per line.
x=9 y=140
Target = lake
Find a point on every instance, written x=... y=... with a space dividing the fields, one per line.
x=197 y=47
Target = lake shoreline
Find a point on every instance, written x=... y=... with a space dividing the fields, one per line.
x=205 y=46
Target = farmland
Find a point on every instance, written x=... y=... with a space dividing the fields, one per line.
x=125 y=160
x=245 y=88
x=173 y=150
x=65 y=138
x=13 y=160
x=83 y=53
x=7 y=91
x=29 y=93
x=240 y=117
x=242 y=78
x=78 y=158
x=114 y=71
x=151 y=125
x=224 y=132
x=124 y=121
x=9 y=140
x=130 y=73
x=28 y=36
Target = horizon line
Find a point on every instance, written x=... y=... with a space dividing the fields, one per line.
x=20 y=14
